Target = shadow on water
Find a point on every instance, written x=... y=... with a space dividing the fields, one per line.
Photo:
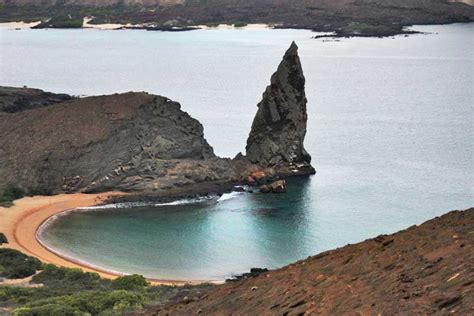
x=280 y=223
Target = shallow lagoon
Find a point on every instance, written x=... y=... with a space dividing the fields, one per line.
x=390 y=130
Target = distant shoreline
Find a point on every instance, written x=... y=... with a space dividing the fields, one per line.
x=118 y=26
x=22 y=222
x=405 y=31
x=362 y=18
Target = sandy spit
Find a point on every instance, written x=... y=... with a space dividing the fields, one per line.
x=20 y=223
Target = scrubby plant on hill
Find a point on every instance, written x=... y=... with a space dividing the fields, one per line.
x=66 y=291
x=3 y=239
x=16 y=265
x=130 y=282
x=10 y=194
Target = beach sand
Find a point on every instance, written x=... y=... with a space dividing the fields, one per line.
x=20 y=223
x=18 y=25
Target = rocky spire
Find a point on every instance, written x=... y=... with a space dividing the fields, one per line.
x=279 y=127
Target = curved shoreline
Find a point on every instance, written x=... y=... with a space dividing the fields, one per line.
x=22 y=222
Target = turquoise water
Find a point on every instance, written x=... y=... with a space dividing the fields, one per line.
x=390 y=130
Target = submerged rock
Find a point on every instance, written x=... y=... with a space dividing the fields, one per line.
x=279 y=127
x=264 y=189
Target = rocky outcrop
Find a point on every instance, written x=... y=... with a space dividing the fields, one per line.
x=276 y=139
x=21 y=99
x=423 y=270
x=131 y=141
x=53 y=143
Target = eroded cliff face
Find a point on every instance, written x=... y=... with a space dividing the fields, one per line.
x=131 y=141
x=276 y=139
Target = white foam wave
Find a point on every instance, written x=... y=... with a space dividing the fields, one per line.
x=187 y=201
x=228 y=196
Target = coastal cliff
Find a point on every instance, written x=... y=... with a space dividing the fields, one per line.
x=53 y=143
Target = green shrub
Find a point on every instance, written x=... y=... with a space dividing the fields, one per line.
x=130 y=282
x=364 y=28
x=73 y=292
x=92 y=302
x=16 y=265
x=3 y=239
x=10 y=194
x=69 y=280
x=240 y=24
x=22 y=311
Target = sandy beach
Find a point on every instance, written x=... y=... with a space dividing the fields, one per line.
x=20 y=223
x=18 y=25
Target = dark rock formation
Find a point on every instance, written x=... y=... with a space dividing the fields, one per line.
x=254 y=272
x=279 y=128
x=53 y=143
x=21 y=99
x=423 y=270
x=131 y=141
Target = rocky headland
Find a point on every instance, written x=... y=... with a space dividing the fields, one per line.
x=341 y=17
x=138 y=142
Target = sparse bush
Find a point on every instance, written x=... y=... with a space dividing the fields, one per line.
x=10 y=194
x=130 y=282
x=364 y=28
x=240 y=24
x=91 y=302
x=69 y=280
x=73 y=292
x=3 y=239
x=16 y=265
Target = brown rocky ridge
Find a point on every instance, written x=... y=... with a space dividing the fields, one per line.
x=423 y=270
x=141 y=142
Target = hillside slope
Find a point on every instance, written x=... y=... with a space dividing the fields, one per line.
x=130 y=141
x=426 y=269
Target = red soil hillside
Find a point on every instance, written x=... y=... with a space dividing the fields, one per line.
x=426 y=269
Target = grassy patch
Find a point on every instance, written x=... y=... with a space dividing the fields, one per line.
x=367 y=29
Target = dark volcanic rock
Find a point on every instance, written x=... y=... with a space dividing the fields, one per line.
x=131 y=141
x=254 y=272
x=21 y=99
x=279 y=127
x=142 y=142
